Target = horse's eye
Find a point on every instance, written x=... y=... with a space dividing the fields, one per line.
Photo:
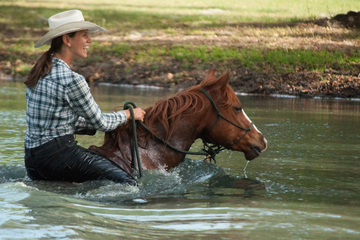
x=238 y=109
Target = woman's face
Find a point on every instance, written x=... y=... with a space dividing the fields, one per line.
x=79 y=44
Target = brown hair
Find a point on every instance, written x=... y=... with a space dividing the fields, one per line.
x=43 y=65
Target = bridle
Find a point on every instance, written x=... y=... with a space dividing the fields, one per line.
x=220 y=116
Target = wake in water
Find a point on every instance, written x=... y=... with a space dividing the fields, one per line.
x=12 y=173
x=192 y=177
x=191 y=174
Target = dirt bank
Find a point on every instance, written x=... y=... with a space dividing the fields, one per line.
x=323 y=34
x=329 y=83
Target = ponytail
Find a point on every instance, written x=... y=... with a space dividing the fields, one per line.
x=41 y=68
x=43 y=65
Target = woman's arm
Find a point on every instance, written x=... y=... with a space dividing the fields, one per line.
x=82 y=127
x=83 y=103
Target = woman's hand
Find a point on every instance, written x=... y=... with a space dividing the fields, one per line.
x=138 y=114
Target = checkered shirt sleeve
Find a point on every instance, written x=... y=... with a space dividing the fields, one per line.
x=83 y=104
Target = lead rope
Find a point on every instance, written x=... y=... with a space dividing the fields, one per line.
x=135 y=148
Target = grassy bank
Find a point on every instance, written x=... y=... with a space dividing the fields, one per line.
x=262 y=60
x=269 y=61
x=266 y=36
x=130 y=14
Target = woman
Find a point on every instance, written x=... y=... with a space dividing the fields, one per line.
x=59 y=103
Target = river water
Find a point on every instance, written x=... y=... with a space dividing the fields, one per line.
x=305 y=186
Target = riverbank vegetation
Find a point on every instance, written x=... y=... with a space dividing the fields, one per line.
x=271 y=46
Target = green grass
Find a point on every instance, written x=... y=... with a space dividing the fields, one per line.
x=275 y=60
x=114 y=49
x=261 y=60
x=188 y=18
x=159 y=14
x=21 y=70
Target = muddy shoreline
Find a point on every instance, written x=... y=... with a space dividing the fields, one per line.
x=329 y=84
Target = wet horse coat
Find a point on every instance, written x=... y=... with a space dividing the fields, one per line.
x=180 y=120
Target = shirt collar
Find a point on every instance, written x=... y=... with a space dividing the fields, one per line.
x=61 y=62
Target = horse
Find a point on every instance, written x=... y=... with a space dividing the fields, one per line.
x=210 y=111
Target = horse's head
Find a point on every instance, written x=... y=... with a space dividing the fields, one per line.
x=227 y=123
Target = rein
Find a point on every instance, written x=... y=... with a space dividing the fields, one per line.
x=209 y=150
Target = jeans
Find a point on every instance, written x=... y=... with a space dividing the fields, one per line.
x=62 y=159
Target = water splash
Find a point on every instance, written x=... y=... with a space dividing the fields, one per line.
x=12 y=173
x=245 y=175
x=139 y=200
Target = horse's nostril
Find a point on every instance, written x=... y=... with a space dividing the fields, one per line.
x=257 y=149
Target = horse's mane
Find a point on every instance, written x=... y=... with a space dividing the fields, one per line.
x=169 y=111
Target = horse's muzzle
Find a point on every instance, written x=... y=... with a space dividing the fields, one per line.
x=255 y=151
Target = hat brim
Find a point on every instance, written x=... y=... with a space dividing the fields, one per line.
x=68 y=28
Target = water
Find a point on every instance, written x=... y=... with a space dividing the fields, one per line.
x=305 y=186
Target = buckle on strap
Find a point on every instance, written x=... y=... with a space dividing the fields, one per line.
x=64 y=140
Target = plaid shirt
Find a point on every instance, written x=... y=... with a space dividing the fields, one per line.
x=62 y=102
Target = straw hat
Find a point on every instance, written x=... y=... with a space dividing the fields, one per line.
x=66 y=22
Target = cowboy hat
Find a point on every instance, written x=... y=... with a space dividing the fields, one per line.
x=66 y=22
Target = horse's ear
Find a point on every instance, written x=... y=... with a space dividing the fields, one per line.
x=210 y=75
x=224 y=79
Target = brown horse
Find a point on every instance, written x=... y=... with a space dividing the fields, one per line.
x=210 y=111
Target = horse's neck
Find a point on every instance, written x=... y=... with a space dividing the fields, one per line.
x=158 y=155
